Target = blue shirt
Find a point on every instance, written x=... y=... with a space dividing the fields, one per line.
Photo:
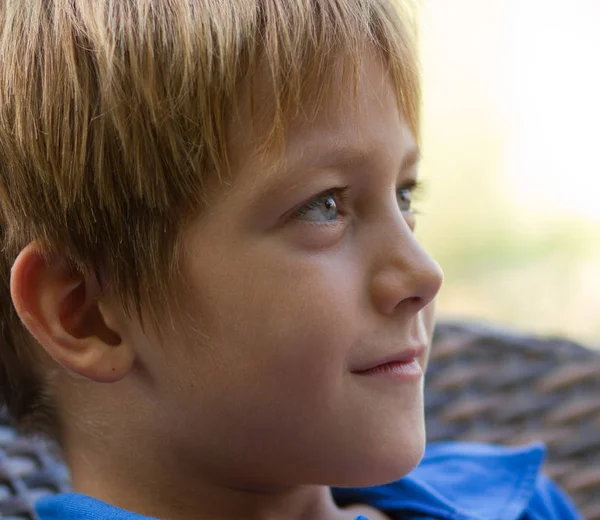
x=454 y=481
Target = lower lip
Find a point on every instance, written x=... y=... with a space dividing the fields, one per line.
x=410 y=371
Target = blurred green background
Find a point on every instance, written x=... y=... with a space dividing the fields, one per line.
x=511 y=161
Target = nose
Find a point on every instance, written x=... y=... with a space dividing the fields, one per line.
x=405 y=276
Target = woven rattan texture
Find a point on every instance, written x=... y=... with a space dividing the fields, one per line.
x=483 y=384
x=488 y=385
x=28 y=471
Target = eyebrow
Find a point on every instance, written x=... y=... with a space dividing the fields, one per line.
x=411 y=159
x=324 y=156
x=348 y=154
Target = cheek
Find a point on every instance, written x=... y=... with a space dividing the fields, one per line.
x=269 y=355
x=280 y=324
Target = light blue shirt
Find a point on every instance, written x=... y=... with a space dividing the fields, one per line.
x=454 y=481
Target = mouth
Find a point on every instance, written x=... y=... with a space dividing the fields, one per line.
x=400 y=364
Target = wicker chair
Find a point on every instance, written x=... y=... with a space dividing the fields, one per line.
x=483 y=384
x=488 y=385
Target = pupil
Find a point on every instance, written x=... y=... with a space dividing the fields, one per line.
x=329 y=203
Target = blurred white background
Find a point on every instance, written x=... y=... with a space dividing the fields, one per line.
x=511 y=164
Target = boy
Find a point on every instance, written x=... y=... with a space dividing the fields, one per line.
x=219 y=308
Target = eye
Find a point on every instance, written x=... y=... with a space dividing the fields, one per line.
x=406 y=195
x=323 y=208
x=405 y=199
x=326 y=206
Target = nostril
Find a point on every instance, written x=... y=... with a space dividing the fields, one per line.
x=414 y=300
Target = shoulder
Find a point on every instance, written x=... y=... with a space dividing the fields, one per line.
x=473 y=481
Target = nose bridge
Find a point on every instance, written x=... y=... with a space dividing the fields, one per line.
x=404 y=271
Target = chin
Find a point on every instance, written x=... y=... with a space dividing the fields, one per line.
x=388 y=461
x=393 y=467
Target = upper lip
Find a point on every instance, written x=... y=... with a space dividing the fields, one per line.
x=404 y=356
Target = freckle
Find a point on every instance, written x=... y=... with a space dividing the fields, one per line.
x=113 y=369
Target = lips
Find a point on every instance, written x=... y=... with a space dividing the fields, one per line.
x=404 y=357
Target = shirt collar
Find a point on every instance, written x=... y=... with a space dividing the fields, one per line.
x=459 y=481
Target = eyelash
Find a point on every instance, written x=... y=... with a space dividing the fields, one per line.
x=339 y=194
x=414 y=187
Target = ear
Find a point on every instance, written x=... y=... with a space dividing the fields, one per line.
x=64 y=312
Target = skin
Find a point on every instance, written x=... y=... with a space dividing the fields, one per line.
x=251 y=408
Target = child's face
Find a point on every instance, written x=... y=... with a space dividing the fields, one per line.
x=294 y=288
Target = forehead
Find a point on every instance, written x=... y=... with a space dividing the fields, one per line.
x=348 y=120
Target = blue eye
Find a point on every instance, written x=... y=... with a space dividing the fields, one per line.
x=323 y=208
x=406 y=195
x=405 y=199
x=326 y=206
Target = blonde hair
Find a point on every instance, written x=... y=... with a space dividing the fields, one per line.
x=113 y=117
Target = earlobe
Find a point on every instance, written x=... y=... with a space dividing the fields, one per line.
x=62 y=311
